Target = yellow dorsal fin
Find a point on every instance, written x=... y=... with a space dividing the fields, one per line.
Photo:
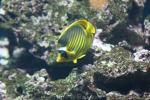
x=74 y=23
x=87 y=26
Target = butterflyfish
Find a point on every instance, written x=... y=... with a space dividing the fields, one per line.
x=75 y=41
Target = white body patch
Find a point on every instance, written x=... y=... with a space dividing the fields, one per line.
x=62 y=49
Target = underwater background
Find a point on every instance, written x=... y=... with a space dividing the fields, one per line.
x=117 y=67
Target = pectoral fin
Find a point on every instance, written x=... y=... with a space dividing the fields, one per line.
x=71 y=52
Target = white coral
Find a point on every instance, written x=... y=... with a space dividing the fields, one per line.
x=142 y=56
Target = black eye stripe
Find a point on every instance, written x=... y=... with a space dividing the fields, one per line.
x=64 y=54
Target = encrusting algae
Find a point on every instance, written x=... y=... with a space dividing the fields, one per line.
x=75 y=41
x=98 y=4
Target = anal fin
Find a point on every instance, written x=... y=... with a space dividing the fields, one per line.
x=75 y=61
x=81 y=56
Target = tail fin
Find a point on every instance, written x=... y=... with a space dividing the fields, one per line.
x=88 y=26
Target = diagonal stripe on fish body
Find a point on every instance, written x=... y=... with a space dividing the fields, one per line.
x=75 y=41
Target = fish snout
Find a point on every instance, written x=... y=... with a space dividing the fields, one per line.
x=60 y=58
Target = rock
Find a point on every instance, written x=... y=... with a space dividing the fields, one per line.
x=4 y=42
x=140 y=2
x=114 y=95
x=44 y=44
x=109 y=71
x=147 y=30
x=4 y=55
x=98 y=44
x=2 y=90
x=4 y=62
x=2 y=11
x=12 y=76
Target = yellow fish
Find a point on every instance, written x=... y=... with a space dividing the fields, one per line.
x=75 y=41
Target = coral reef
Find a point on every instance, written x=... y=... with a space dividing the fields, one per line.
x=116 y=67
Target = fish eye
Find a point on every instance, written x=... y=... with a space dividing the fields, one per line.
x=63 y=53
